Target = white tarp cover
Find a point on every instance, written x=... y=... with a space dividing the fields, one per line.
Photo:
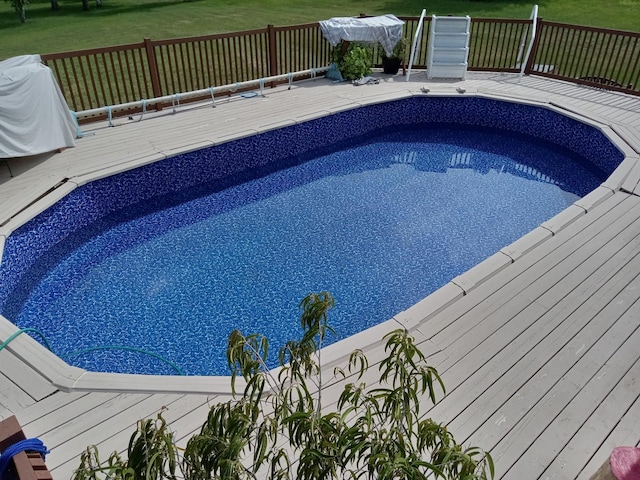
x=386 y=29
x=34 y=116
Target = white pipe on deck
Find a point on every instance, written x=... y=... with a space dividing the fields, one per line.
x=175 y=98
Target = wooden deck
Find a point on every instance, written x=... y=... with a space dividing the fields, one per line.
x=538 y=346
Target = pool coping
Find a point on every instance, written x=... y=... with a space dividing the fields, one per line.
x=68 y=378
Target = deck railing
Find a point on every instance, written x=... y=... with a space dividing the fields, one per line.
x=105 y=76
x=586 y=55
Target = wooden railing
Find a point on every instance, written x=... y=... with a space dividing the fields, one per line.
x=155 y=68
x=104 y=76
x=586 y=55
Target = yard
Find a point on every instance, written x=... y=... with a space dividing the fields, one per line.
x=127 y=21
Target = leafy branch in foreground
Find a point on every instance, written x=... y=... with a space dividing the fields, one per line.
x=279 y=428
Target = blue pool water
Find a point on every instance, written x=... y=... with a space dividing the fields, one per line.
x=381 y=223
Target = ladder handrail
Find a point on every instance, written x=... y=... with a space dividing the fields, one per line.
x=414 y=46
x=534 y=25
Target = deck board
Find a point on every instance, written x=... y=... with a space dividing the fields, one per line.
x=603 y=412
x=531 y=348
x=564 y=375
x=623 y=433
x=563 y=312
x=515 y=289
x=539 y=359
x=530 y=429
x=116 y=429
x=29 y=380
x=12 y=398
x=48 y=405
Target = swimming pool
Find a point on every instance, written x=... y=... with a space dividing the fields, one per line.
x=65 y=224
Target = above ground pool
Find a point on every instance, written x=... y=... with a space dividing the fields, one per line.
x=149 y=271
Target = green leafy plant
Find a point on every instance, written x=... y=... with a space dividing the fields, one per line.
x=278 y=427
x=152 y=455
x=354 y=61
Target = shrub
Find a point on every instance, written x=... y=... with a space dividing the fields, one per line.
x=354 y=62
x=279 y=428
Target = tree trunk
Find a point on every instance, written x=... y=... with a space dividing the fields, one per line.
x=55 y=5
x=85 y=5
x=23 y=14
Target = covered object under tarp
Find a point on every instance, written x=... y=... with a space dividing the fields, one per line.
x=34 y=116
x=385 y=29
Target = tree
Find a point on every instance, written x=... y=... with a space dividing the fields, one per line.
x=279 y=428
x=85 y=4
x=55 y=4
x=20 y=6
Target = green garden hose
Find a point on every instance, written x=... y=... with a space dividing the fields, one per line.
x=23 y=330
x=92 y=349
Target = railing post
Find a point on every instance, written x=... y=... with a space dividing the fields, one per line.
x=153 y=69
x=534 y=49
x=273 y=54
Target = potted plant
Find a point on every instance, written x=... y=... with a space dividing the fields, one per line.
x=354 y=61
x=391 y=63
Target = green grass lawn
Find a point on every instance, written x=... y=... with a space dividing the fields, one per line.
x=129 y=21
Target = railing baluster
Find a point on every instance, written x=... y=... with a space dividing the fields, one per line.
x=186 y=50
x=560 y=50
x=208 y=56
x=602 y=70
x=121 y=74
x=77 y=98
x=573 y=47
x=87 y=91
x=585 y=38
x=636 y=67
x=101 y=68
x=628 y=72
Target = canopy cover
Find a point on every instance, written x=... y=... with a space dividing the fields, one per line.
x=386 y=29
x=34 y=116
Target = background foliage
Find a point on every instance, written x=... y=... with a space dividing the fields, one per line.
x=129 y=21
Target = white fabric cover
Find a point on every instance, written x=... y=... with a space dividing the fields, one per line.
x=34 y=116
x=386 y=29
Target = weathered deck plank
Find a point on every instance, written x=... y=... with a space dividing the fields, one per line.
x=597 y=423
x=530 y=428
x=515 y=282
x=49 y=405
x=484 y=387
x=536 y=329
x=12 y=398
x=115 y=418
x=29 y=380
x=624 y=433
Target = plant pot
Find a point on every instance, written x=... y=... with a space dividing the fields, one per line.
x=391 y=65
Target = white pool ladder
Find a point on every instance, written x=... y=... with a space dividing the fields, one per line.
x=415 y=47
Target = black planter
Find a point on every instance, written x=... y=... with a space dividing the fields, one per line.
x=391 y=65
